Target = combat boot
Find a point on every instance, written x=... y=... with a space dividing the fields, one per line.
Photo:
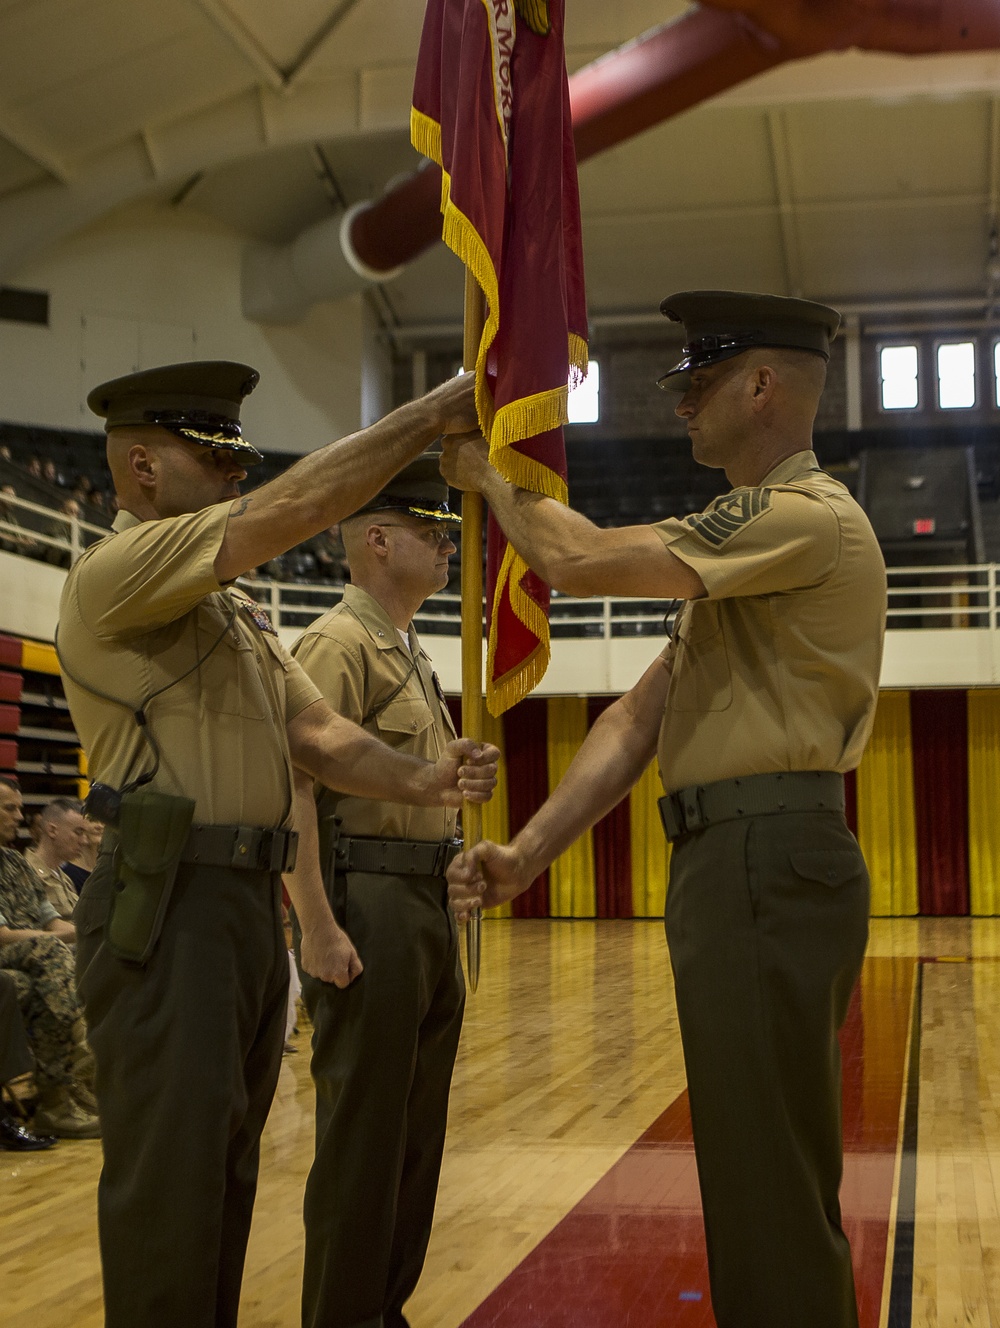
x=83 y=1095
x=58 y=1114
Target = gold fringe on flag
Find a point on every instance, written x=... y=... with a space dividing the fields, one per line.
x=503 y=428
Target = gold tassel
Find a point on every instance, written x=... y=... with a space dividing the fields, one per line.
x=536 y=14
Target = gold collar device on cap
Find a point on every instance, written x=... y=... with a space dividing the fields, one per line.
x=419 y=489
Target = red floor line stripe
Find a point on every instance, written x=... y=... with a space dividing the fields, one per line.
x=632 y=1251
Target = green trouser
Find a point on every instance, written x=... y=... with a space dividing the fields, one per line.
x=15 y=1054
x=383 y=1054
x=188 y=1051
x=767 y=920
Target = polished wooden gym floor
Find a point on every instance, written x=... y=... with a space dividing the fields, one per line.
x=569 y=1194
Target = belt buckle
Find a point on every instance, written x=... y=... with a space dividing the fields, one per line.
x=670 y=815
x=692 y=813
x=275 y=849
x=439 y=862
x=246 y=846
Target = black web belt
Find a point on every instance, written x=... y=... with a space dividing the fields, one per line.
x=244 y=846
x=395 y=857
x=702 y=805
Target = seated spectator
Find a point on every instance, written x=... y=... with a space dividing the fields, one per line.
x=12 y=539
x=15 y=1059
x=5 y=453
x=61 y=554
x=35 y=951
x=35 y=467
x=52 y=474
x=328 y=550
x=80 y=867
x=59 y=833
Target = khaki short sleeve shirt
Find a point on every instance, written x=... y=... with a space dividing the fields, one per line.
x=145 y=622
x=777 y=668
x=355 y=655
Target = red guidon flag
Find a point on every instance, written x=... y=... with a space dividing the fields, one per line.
x=491 y=107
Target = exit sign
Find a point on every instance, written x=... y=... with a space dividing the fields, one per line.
x=924 y=525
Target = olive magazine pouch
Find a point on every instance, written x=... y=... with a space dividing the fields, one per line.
x=152 y=832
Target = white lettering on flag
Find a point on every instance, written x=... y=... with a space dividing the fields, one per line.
x=503 y=29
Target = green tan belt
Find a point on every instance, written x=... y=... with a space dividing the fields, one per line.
x=248 y=847
x=395 y=857
x=702 y=805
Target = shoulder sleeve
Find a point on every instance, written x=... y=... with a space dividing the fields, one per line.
x=151 y=574
x=337 y=669
x=757 y=542
x=300 y=690
x=47 y=911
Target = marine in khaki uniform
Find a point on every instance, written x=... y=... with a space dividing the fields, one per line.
x=384 y=1048
x=761 y=701
x=193 y=716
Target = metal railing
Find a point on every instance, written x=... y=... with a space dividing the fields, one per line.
x=920 y=598
x=44 y=533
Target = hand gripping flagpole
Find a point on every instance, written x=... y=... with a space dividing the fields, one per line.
x=472 y=622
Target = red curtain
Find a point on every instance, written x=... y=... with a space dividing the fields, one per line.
x=938 y=725
x=525 y=735
x=612 y=845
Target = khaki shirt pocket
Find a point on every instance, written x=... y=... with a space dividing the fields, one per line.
x=229 y=678
x=403 y=720
x=701 y=679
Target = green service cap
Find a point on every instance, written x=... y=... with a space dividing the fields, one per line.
x=419 y=489
x=719 y=325
x=199 y=401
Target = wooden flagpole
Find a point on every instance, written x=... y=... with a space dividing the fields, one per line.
x=472 y=620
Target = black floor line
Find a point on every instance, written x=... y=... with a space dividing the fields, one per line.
x=901 y=1288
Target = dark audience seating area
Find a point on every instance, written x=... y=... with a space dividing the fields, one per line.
x=614 y=483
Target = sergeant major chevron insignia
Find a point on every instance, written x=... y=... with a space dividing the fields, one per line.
x=536 y=14
x=729 y=515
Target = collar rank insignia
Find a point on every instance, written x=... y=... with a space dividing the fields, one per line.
x=259 y=618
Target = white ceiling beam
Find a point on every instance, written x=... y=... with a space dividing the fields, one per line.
x=889 y=312
x=781 y=166
x=18 y=133
x=728 y=212
x=240 y=36
x=307 y=56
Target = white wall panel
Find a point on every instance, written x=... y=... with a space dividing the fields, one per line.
x=148 y=284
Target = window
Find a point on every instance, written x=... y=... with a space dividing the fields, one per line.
x=956 y=370
x=585 y=400
x=898 y=366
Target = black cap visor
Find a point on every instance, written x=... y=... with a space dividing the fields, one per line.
x=700 y=354
x=206 y=429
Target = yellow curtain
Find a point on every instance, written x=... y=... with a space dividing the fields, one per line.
x=984 y=783
x=496 y=822
x=650 y=850
x=572 y=890
x=887 y=828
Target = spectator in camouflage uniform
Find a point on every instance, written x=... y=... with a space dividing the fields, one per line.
x=35 y=950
